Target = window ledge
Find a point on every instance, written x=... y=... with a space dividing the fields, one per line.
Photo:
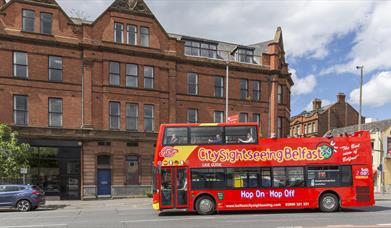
x=37 y=33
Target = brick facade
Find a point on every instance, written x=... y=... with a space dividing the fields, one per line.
x=87 y=48
x=321 y=120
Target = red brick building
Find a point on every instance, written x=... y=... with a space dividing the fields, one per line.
x=89 y=96
x=320 y=119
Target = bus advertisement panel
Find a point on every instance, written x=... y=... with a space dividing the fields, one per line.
x=215 y=167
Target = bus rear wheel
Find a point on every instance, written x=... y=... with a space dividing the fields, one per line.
x=328 y=202
x=205 y=205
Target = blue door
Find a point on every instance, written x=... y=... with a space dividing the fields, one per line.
x=104 y=182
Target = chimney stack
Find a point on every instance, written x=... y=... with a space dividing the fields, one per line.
x=341 y=98
x=316 y=104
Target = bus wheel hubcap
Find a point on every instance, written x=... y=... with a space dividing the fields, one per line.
x=205 y=205
x=329 y=202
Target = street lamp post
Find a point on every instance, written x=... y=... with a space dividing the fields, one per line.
x=226 y=90
x=361 y=68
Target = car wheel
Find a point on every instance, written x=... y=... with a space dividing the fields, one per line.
x=23 y=205
x=205 y=205
x=328 y=202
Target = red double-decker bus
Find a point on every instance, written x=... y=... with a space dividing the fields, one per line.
x=216 y=167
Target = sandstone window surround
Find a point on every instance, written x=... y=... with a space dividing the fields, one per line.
x=118 y=32
x=55 y=112
x=257 y=118
x=55 y=69
x=114 y=73
x=256 y=90
x=279 y=94
x=243 y=117
x=192 y=115
x=279 y=127
x=28 y=20
x=144 y=32
x=131 y=75
x=243 y=89
x=192 y=84
x=131 y=117
x=149 y=76
x=218 y=117
x=149 y=118
x=219 y=86
x=114 y=115
x=132 y=34
x=20 y=65
x=21 y=110
x=46 y=23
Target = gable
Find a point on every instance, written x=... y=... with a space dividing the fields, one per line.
x=135 y=6
x=62 y=26
x=130 y=13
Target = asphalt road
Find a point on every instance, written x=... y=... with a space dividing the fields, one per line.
x=142 y=215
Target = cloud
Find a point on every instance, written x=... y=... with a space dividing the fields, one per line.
x=325 y=102
x=372 y=46
x=308 y=26
x=302 y=85
x=376 y=92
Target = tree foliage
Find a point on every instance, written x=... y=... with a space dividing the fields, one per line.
x=13 y=155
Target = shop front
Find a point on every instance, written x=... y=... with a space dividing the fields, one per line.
x=55 y=167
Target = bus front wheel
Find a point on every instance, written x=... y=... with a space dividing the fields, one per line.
x=328 y=202
x=205 y=205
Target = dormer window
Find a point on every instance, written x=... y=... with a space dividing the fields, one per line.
x=244 y=55
x=118 y=32
x=46 y=23
x=28 y=20
x=132 y=34
x=203 y=49
x=144 y=32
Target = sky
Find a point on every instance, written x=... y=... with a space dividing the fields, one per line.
x=324 y=41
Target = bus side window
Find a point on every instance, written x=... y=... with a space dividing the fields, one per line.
x=175 y=136
x=279 y=177
x=266 y=179
x=240 y=134
x=242 y=177
x=321 y=176
x=206 y=135
x=346 y=174
x=295 y=176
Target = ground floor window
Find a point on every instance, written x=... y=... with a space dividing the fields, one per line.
x=56 y=170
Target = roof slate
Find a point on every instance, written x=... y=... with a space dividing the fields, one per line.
x=381 y=126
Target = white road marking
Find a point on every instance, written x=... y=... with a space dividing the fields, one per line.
x=340 y=226
x=41 y=217
x=164 y=220
x=385 y=224
x=31 y=226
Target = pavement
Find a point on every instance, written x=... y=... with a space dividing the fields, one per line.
x=100 y=203
x=383 y=196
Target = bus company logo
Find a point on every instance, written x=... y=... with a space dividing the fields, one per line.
x=362 y=173
x=326 y=150
x=168 y=152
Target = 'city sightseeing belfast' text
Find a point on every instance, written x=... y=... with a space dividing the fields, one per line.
x=286 y=154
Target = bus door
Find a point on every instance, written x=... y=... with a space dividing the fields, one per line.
x=174 y=187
